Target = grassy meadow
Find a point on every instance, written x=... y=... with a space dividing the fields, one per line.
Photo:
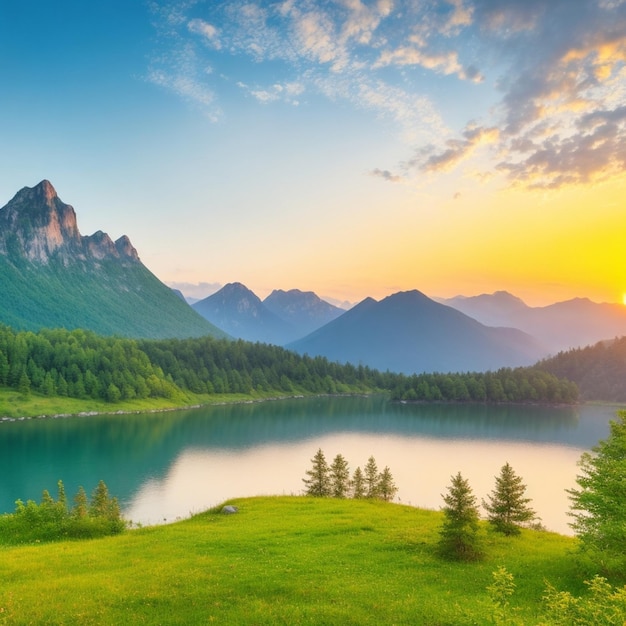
x=282 y=560
x=14 y=405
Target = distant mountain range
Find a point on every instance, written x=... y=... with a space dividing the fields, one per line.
x=282 y=317
x=52 y=276
x=408 y=332
x=559 y=326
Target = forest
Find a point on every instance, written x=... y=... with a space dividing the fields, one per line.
x=599 y=370
x=82 y=364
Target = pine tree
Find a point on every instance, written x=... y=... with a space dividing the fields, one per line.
x=61 y=497
x=507 y=507
x=100 y=501
x=339 y=477
x=371 y=478
x=81 y=508
x=357 y=484
x=459 y=534
x=386 y=487
x=318 y=483
x=23 y=385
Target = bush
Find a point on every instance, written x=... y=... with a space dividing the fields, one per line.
x=51 y=520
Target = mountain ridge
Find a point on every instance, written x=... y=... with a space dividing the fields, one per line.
x=52 y=276
x=411 y=333
x=559 y=326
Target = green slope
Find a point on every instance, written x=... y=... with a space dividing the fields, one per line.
x=282 y=561
x=112 y=297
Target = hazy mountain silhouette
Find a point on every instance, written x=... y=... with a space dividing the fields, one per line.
x=408 y=332
x=241 y=314
x=282 y=317
x=52 y=276
x=560 y=326
x=303 y=310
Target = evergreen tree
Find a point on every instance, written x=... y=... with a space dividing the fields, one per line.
x=386 y=487
x=459 y=534
x=507 y=507
x=99 y=505
x=81 y=507
x=357 y=484
x=339 y=477
x=23 y=385
x=371 y=478
x=318 y=481
x=61 y=498
x=597 y=506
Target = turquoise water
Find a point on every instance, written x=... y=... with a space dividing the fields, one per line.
x=166 y=466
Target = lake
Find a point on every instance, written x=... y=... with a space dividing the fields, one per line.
x=166 y=466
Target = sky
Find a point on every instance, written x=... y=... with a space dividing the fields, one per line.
x=348 y=147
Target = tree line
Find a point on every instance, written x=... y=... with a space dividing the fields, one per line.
x=82 y=364
x=521 y=384
x=599 y=371
x=335 y=481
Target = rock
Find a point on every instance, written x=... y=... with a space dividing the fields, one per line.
x=229 y=509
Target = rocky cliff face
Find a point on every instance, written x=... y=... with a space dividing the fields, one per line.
x=36 y=225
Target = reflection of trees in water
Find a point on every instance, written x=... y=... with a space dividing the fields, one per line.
x=125 y=450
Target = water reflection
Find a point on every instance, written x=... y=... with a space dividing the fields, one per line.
x=167 y=465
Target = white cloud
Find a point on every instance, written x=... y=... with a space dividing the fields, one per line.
x=208 y=31
x=554 y=63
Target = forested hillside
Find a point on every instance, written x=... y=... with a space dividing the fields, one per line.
x=81 y=364
x=598 y=370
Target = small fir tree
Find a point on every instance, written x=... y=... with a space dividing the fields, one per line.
x=61 y=497
x=81 y=506
x=358 y=484
x=506 y=506
x=386 y=487
x=371 y=478
x=318 y=481
x=459 y=537
x=339 y=477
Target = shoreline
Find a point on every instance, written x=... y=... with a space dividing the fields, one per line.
x=64 y=415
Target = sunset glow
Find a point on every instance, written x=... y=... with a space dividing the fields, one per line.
x=350 y=148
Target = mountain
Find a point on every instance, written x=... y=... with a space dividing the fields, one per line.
x=52 y=276
x=598 y=370
x=303 y=310
x=241 y=313
x=408 y=332
x=282 y=317
x=560 y=326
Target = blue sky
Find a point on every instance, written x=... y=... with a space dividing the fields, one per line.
x=351 y=148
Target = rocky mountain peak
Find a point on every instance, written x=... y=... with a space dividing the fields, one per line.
x=37 y=225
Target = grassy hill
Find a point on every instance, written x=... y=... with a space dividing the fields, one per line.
x=111 y=299
x=281 y=560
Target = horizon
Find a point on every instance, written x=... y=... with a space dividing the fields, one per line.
x=353 y=149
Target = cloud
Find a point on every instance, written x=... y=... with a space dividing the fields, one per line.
x=459 y=149
x=208 y=31
x=343 y=49
x=595 y=153
x=446 y=63
x=547 y=79
x=386 y=175
x=562 y=80
x=287 y=92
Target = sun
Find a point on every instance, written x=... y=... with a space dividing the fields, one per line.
x=624 y=299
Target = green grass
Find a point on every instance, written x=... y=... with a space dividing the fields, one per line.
x=14 y=405
x=280 y=560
